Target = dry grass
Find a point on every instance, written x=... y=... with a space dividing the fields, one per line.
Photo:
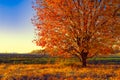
x=58 y=72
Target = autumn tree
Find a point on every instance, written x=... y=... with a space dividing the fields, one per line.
x=83 y=28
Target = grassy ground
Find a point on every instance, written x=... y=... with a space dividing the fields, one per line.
x=58 y=72
x=53 y=68
x=52 y=60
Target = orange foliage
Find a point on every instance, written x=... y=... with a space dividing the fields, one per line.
x=77 y=26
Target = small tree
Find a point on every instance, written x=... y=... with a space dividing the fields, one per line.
x=82 y=28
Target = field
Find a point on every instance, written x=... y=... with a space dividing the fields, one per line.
x=58 y=72
x=44 y=59
x=23 y=67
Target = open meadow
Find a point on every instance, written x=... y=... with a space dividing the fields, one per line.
x=58 y=72
x=24 y=67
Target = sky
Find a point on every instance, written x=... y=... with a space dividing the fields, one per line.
x=16 y=29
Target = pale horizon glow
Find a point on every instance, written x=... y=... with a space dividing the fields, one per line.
x=16 y=29
x=20 y=43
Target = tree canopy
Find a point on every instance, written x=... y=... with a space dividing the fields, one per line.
x=83 y=28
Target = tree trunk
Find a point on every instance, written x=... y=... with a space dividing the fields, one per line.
x=84 y=58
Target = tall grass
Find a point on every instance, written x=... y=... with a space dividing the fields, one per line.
x=58 y=72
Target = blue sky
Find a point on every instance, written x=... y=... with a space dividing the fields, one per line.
x=16 y=29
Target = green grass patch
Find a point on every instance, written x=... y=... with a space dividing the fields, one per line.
x=52 y=60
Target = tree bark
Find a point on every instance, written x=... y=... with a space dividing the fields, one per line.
x=84 y=58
